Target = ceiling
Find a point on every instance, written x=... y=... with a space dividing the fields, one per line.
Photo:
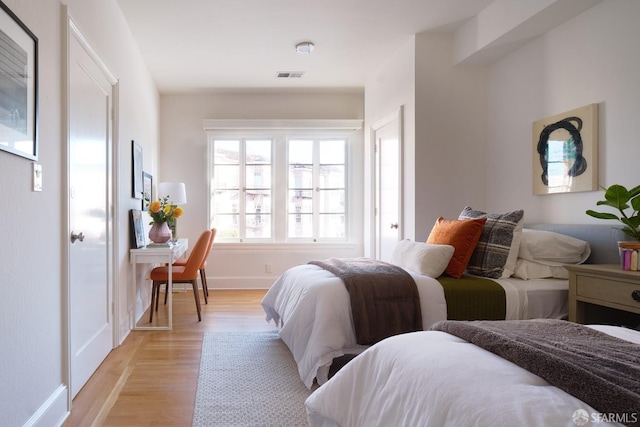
x=195 y=45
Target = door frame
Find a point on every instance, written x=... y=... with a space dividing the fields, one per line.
x=72 y=30
x=397 y=117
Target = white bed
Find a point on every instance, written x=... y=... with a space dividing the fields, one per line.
x=436 y=379
x=312 y=307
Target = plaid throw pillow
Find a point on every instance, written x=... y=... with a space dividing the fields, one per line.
x=492 y=251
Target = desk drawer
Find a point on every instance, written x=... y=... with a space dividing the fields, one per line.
x=607 y=290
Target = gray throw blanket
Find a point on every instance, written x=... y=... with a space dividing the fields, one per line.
x=601 y=370
x=384 y=297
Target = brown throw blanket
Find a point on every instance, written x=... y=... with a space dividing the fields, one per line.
x=601 y=370
x=384 y=297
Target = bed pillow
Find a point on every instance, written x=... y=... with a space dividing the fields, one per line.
x=526 y=269
x=497 y=250
x=554 y=249
x=426 y=259
x=463 y=235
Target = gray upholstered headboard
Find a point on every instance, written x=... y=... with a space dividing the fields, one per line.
x=603 y=239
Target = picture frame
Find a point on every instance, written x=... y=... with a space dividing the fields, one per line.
x=147 y=184
x=19 y=83
x=137 y=229
x=565 y=152
x=137 y=186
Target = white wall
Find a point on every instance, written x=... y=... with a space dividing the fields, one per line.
x=184 y=159
x=450 y=133
x=32 y=309
x=593 y=58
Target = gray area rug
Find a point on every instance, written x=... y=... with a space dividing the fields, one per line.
x=248 y=379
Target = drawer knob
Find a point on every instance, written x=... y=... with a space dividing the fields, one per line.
x=635 y=295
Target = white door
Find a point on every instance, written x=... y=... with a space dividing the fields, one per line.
x=90 y=240
x=387 y=137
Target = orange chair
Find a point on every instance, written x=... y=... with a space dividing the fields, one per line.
x=203 y=266
x=181 y=274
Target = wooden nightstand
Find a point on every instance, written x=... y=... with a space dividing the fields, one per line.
x=605 y=294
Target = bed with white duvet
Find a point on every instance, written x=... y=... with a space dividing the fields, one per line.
x=432 y=378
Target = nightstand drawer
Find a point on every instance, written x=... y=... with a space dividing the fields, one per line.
x=607 y=290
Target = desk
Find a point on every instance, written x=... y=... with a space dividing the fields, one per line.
x=157 y=255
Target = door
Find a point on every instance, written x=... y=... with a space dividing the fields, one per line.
x=90 y=242
x=387 y=137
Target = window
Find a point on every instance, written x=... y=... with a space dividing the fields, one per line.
x=316 y=186
x=241 y=202
x=284 y=181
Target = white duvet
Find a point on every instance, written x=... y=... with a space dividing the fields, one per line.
x=436 y=379
x=313 y=309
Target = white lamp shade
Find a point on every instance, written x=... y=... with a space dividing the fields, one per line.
x=176 y=191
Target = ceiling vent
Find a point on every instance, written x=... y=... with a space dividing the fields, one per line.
x=289 y=74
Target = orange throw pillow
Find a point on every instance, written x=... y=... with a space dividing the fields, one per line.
x=463 y=235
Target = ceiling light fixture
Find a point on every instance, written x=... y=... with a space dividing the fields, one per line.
x=304 y=47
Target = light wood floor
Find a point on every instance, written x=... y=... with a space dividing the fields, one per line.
x=150 y=380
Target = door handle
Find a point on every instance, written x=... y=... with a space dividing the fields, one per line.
x=78 y=236
x=394 y=225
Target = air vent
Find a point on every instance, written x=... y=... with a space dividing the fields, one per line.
x=289 y=74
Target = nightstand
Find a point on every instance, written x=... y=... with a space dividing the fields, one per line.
x=604 y=294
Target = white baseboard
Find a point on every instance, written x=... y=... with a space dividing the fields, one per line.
x=54 y=411
x=248 y=282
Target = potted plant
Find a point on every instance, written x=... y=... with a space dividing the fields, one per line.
x=621 y=199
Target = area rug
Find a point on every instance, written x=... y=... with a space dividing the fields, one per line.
x=248 y=379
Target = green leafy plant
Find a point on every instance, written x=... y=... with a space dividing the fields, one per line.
x=618 y=197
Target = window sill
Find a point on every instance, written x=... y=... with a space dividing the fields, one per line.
x=282 y=247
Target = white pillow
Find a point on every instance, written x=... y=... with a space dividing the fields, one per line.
x=554 y=249
x=526 y=269
x=510 y=265
x=424 y=258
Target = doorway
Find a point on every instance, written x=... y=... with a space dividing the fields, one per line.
x=91 y=89
x=386 y=135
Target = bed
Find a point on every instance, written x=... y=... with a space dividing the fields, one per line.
x=434 y=378
x=312 y=308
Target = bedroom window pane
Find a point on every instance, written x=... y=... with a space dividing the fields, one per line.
x=332 y=176
x=301 y=151
x=332 y=226
x=332 y=152
x=226 y=176
x=258 y=226
x=300 y=176
x=301 y=225
x=227 y=226
x=226 y=201
x=300 y=201
x=226 y=152
x=258 y=201
x=258 y=152
x=331 y=201
x=258 y=176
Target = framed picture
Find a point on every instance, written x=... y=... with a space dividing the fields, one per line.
x=565 y=152
x=137 y=187
x=18 y=86
x=147 y=184
x=137 y=229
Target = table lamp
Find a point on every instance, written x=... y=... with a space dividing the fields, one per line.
x=177 y=193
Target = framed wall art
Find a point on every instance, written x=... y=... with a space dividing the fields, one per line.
x=18 y=86
x=137 y=229
x=565 y=152
x=147 y=185
x=137 y=186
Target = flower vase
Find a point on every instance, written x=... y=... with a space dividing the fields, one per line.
x=160 y=232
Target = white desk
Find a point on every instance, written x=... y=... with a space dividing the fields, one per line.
x=157 y=255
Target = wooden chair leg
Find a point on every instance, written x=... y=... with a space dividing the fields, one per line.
x=196 y=295
x=153 y=299
x=205 y=290
x=158 y=293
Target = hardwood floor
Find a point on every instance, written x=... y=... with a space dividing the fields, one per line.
x=151 y=379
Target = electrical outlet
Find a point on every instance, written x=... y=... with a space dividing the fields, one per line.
x=267 y=268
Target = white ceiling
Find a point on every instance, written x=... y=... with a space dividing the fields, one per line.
x=192 y=45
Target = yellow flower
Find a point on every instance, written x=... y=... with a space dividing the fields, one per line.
x=177 y=212
x=155 y=206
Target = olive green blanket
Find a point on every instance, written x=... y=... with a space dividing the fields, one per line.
x=473 y=298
